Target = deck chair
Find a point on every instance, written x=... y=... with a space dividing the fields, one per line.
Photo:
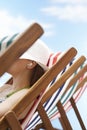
x=69 y=95
x=57 y=85
x=71 y=99
x=39 y=86
x=14 y=36
x=81 y=85
x=41 y=110
x=11 y=116
x=73 y=81
x=74 y=100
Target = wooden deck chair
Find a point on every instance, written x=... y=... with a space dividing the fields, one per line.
x=70 y=96
x=83 y=61
x=40 y=87
x=83 y=83
x=59 y=103
x=38 y=126
x=82 y=58
x=71 y=93
x=36 y=118
x=72 y=100
x=82 y=86
x=57 y=85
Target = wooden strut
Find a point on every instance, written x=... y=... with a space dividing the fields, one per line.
x=63 y=119
x=44 y=117
x=77 y=113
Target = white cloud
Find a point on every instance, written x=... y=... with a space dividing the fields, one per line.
x=70 y=1
x=14 y=24
x=10 y=24
x=75 y=13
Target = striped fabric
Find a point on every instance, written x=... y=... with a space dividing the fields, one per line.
x=65 y=100
x=50 y=104
x=67 y=106
x=6 y=41
x=29 y=123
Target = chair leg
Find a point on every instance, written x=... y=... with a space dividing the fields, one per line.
x=44 y=117
x=64 y=120
x=62 y=123
x=39 y=126
x=77 y=113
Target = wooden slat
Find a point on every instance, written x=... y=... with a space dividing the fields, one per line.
x=81 y=84
x=67 y=125
x=19 y=46
x=77 y=114
x=62 y=123
x=44 y=117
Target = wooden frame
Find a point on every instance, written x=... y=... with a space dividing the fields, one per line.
x=39 y=86
x=29 y=37
x=63 y=118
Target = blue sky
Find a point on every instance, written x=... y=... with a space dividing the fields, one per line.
x=64 y=21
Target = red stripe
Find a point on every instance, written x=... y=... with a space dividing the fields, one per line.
x=49 y=59
x=55 y=58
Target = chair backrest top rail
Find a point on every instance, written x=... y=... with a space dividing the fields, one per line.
x=19 y=46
